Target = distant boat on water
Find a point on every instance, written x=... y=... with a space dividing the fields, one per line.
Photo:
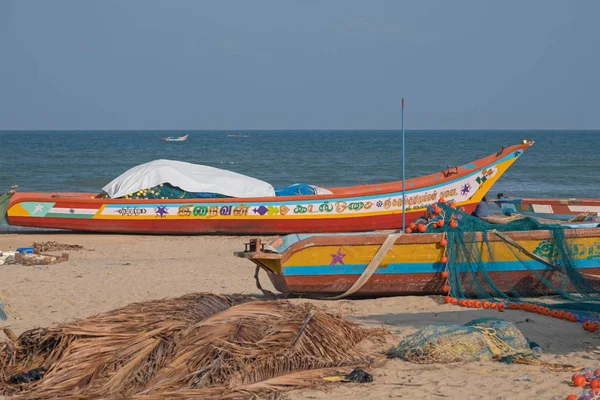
x=236 y=135
x=175 y=139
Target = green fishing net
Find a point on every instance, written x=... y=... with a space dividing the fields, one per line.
x=480 y=339
x=549 y=269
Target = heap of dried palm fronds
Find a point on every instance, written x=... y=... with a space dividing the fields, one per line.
x=200 y=345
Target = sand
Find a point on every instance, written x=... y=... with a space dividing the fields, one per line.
x=114 y=270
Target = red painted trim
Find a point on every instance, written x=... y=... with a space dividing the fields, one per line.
x=411 y=284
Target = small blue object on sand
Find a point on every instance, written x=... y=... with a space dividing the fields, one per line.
x=25 y=250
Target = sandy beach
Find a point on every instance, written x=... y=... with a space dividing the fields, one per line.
x=114 y=270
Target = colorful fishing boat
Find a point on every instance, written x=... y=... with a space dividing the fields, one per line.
x=344 y=209
x=175 y=139
x=564 y=209
x=410 y=264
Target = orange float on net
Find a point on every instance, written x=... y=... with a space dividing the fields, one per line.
x=452 y=205
x=447 y=299
x=486 y=304
x=554 y=313
x=412 y=226
x=443 y=242
x=579 y=381
x=494 y=306
x=501 y=306
x=593 y=327
x=595 y=384
x=454 y=300
x=478 y=304
x=437 y=210
x=463 y=303
x=442 y=200
x=441 y=223
x=445 y=274
x=446 y=288
x=408 y=230
x=586 y=325
x=571 y=397
x=422 y=228
x=470 y=303
x=444 y=260
x=453 y=223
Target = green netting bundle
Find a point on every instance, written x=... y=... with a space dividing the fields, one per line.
x=480 y=339
x=167 y=191
x=485 y=263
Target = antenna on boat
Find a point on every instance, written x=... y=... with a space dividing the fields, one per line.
x=403 y=177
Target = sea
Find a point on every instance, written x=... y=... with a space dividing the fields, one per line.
x=559 y=164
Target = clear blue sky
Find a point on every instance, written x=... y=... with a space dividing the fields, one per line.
x=304 y=64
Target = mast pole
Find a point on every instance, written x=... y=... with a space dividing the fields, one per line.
x=403 y=173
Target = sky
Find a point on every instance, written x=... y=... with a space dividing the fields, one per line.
x=307 y=64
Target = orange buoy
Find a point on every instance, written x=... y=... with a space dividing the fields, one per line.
x=444 y=260
x=440 y=223
x=586 y=325
x=595 y=384
x=453 y=224
x=579 y=381
x=454 y=300
x=442 y=200
x=408 y=230
x=494 y=306
x=437 y=210
x=446 y=288
x=447 y=299
x=470 y=303
x=445 y=274
x=463 y=303
x=593 y=327
x=412 y=226
x=452 y=205
x=571 y=397
x=477 y=304
x=422 y=228
x=443 y=242
x=486 y=304
x=501 y=306
x=554 y=313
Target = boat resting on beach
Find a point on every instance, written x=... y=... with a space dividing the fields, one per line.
x=342 y=209
x=411 y=264
x=552 y=208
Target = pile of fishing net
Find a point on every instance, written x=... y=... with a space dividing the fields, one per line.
x=483 y=261
x=168 y=191
x=195 y=346
x=480 y=339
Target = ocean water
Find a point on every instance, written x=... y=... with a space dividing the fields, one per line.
x=559 y=164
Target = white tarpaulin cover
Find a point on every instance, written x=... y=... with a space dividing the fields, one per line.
x=189 y=177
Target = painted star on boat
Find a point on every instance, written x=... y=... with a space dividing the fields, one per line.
x=466 y=189
x=337 y=258
x=38 y=208
x=161 y=211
